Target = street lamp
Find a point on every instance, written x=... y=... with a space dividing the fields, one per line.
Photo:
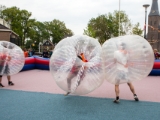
x=119 y=17
x=40 y=46
x=145 y=6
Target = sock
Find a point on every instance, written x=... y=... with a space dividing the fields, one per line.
x=117 y=98
x=135 y=95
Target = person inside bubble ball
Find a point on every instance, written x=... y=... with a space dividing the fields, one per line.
x=74 y=71
x=121 y=60
x=4 y=68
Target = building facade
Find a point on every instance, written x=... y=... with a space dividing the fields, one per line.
x=6 y=34
x=153 y=35
x=47 y=45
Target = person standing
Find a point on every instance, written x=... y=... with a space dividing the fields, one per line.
x=121 y=61
x=156 y=54
x=45 y=54
x=25 y=52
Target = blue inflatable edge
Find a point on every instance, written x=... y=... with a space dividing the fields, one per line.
x=155 y=72
x=157 y=61
x=41 y=58
x=28 y=67
x=42 y=67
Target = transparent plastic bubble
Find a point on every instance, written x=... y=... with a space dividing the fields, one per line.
x=126 y=59
x=70 y=72
x=11 y=58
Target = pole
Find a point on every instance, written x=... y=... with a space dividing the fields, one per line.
x=145 y=23
x=145 y=6
x=40 y=47
x=119 y=17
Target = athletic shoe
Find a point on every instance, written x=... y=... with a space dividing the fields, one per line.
x=116 y=101
x=1 y=85
x=67 y=94
x=136 y=98
x=10 y=83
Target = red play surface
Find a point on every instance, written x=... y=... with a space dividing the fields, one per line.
x=147 y=89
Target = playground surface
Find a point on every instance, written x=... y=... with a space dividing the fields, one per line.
x=36 y=80
x=35 y=95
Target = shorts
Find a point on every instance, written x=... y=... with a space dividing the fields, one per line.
x=121 y=76
x=4 y=70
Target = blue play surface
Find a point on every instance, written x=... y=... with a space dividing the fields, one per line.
x=20 y=105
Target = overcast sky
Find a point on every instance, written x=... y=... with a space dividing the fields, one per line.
x=77 y=13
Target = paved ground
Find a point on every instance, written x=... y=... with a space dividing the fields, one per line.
x=147 y=89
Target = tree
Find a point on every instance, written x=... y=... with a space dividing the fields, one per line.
x=20 y=21
x=28 y=44
x=38 y=33
x=136 y=29
x=125 y=23
x=57 y=30
x=54 y=31
x=106 y=26
x=101 y=28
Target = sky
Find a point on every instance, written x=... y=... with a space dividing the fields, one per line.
x=77 y=13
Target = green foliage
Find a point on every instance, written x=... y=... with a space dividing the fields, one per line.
x=20 y=21
x=102 y=27
x=27 y=28
x=37 y=33
x=125 y=23
x=54 y=31
x=28 y=44
x=136 y=29
x=106 y=26
x=57 y=30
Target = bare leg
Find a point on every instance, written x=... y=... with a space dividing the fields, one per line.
x=131 y=88
x=117 y=90
x=0 y=79
x=0 y=82
x=117 y=94
x=9 y=80
x=133 y=91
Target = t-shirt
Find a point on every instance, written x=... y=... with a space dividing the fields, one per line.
x=45 y=54
x=121 y=60
x=25 y=54
x=156 y=55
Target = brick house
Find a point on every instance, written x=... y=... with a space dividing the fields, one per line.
x=48 y=45
x=6 y=34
